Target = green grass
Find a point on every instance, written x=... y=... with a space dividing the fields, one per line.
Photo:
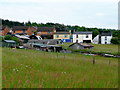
x=113 y=49
x=36 y=69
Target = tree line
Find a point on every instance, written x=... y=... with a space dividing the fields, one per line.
x=61 y=27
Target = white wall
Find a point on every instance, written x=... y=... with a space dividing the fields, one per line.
x=96 y=40
x=81 y=37
x=108 y=39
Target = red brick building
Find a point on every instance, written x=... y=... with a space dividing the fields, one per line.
x=4 y=30
x=46 y=32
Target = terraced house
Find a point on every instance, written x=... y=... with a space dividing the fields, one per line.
x=46 y=32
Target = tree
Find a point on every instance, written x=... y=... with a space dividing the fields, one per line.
x=8 y=37
x=115 y=40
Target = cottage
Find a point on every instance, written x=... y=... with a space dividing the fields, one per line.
x=103 y=38
x=82 y=37
x=77 y=46
x=46 y=32
x=64 y=36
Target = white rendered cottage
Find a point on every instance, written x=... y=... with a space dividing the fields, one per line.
x=104 y=38
x=82 y=37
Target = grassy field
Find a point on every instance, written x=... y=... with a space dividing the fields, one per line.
x=36 y=69
x=113 y=49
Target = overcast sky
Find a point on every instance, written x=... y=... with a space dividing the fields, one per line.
x=88 y=13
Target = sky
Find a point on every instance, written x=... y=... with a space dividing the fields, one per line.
x=88 y=13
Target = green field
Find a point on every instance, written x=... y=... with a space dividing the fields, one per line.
x=113 y=49
x=36 y=69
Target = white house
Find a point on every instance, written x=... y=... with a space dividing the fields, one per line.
x=82 y=37
x=104 y=38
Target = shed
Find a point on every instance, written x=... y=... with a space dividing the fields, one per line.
x=9 y=43
x=77 y=46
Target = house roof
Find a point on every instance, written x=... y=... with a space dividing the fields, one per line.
x=22 y=37
x=45 y=29
x=20 y=28
x=45 y=41
x=9 y=41
x=106 y=34
x=62 y=33
x=82 y=32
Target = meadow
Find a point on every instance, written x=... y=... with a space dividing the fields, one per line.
x=37 y=69
x=107 y=48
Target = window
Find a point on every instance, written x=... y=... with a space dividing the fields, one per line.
x=66 y=36
x=86 y=36
x=57 y=36
x=77 y=36
x=105 y=38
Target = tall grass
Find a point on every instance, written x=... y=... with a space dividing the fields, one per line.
x=36 y=69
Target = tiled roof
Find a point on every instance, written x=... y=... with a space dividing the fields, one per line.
x=20 y=28
x=106 y=34
x=45 y=28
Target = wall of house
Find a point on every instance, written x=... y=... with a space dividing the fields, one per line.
x=96 y=40
x=61 y=36
x=81 y=37
x=107 y=40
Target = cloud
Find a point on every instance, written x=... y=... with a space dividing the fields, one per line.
x=100 y=14
x=39 y=1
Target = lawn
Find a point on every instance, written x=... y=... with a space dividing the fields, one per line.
x=36 y=69
x=113 y=49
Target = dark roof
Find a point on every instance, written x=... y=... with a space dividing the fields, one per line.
x=62 y=33
x=20 y=28
x=82 y=32
x=45 y=29
x=106 y=34
x=45 y=41
x=9 y=41
x=82 y=44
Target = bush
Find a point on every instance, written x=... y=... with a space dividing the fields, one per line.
x=115 y=40
x=9 y=37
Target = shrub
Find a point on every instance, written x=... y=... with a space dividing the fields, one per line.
x=115 y=40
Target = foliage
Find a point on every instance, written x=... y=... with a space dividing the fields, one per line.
x=9 y=37
x=115 y=40
x=60 y=27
